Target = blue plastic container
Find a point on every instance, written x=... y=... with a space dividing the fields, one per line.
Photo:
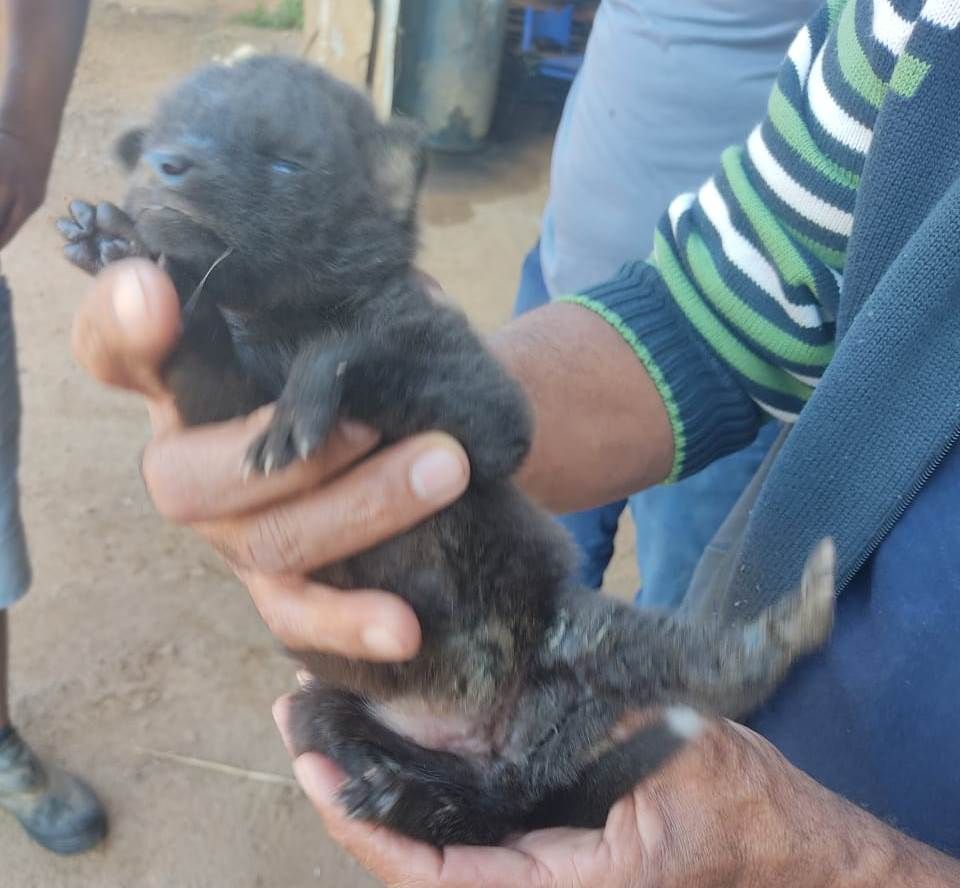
x=448 y=68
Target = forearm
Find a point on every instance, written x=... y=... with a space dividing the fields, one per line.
x=602 y=430
x=734 y=813
x=43 y=39
x=737 y=813
x=919 y=866
x=850 y=848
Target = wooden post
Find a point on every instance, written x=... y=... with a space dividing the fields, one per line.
x=338 y=34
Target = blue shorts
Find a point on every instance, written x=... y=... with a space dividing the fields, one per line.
x=14 y=561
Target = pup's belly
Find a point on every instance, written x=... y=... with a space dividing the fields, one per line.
x=472 y=735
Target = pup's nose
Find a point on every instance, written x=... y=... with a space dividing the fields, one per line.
x=169 y=166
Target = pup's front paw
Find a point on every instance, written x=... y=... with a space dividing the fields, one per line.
x=305 y=415
x=97 y=236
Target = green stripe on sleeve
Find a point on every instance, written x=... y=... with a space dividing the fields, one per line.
x=788 y=122
x=723 y=342
x=790 y=265
x=908 y=75
x=830 y=257
x=854 y=64
x=753 y=324
x=834 y=8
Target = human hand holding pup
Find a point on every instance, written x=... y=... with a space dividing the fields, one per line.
x=728 y=810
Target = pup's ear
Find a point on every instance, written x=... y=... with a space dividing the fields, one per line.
x=399 y=164
x=128 y=148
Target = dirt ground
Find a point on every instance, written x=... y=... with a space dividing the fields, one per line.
x=135 y=639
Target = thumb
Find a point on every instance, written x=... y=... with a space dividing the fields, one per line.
x=126 y=327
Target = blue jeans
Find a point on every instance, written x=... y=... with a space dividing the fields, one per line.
x=674 y=522
x=14 y=563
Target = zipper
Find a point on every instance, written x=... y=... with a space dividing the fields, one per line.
x=905 y=502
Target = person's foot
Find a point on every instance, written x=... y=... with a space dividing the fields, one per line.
x=56 y=809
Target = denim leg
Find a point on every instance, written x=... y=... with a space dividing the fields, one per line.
x=14 y=563
x=531 y=291
x=675 y=522
x=594 y=531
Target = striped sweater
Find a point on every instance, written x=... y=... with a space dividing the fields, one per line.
x=738 y=312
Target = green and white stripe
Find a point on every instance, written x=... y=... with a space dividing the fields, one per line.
x=944 y=13
x=754 y=259
x=889 y=28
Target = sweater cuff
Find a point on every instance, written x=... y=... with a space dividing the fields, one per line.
x=710 y=414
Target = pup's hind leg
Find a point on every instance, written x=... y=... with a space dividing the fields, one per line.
x=637 y=745
x=430 y=795
x=725 y=669
x=563 y=764
x=627 y=661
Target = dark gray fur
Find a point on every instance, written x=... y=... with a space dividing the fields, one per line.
x=316 y=305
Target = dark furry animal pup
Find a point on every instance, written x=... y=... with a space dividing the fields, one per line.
x=284 y=211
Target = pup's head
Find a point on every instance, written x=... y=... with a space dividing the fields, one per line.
x=279 y=161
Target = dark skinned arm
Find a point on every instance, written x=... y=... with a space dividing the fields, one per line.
x=42 y=45
x=574 y=364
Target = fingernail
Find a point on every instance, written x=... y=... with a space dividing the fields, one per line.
x=436 y=475
x=382 y=643
x=129 y=301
